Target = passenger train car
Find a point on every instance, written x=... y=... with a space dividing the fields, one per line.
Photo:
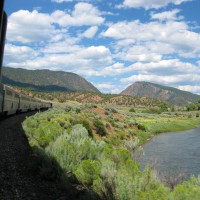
x=12 y=102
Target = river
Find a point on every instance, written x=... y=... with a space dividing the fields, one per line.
x=174 y=153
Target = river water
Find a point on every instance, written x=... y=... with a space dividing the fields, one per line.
x=174 y=153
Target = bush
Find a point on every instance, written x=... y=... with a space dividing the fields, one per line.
x=70 y=149
x=61 y=100
x=68 y=108
x=88 y=171
x=106 y=113
x=45 y=133
x=141 y=127
x=113 y=110
x=132 y=110
x=85 y=124
x=100 y=128
x=77 y=110
x=152 y=111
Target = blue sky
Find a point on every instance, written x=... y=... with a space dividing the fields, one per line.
x=110 y=43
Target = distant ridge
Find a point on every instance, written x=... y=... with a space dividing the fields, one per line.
x=169 y=94
x=46 y=80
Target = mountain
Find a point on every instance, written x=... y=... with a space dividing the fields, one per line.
x=169 y=94
x=46 y=80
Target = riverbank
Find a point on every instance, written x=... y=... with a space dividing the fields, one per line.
x=159 y=125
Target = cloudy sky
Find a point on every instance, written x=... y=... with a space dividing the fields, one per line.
x=110 y=43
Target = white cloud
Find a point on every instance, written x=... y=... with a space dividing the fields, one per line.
x=139 y=54
x=164 y=67
x=19 y=53
x=159 y=68
x=144 y=31
x=190 y=88
x=107 y=70
x=105 y=86
x=150 y=3
x=60 y=45
x=83 y=14
x=167 y=15
x=96 y=53
x=109 y=88
x=90 y=33
x=26 y=27
x=76 y=58
x=175 y=35
x=166 y=80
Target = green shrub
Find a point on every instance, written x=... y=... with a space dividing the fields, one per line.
x=68 y=108
x=152 y=111
x=88 y=171
x=132 y=110
x=77 y=110
x=70 y=149
x=61 y=121
x=45 y=133
x=97 y=117
x=61 y=100
x=141 y=127
x=106 y=113
x=100 y=128
x=188 y=190
x=113 y=110
x=85 y=124
x=110 y=109
x=132 y=122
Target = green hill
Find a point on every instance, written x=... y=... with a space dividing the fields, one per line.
x=46 y=80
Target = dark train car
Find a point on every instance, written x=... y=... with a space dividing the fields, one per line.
x=1 y=98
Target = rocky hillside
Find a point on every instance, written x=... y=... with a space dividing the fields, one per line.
x=46 y=80
x=97 y=98
x=169 y=94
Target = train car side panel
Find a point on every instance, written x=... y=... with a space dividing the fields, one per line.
x=11 y=101
x=25 y=104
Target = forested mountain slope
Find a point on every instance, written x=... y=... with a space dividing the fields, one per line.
x=46 y=80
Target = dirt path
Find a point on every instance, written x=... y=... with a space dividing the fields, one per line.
x=19 y=179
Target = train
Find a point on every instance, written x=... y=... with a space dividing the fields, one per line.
x=12 y=102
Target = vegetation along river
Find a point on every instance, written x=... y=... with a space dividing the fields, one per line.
x=174 y=153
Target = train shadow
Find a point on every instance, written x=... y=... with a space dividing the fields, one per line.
x=50 y=170
x=41 y=168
